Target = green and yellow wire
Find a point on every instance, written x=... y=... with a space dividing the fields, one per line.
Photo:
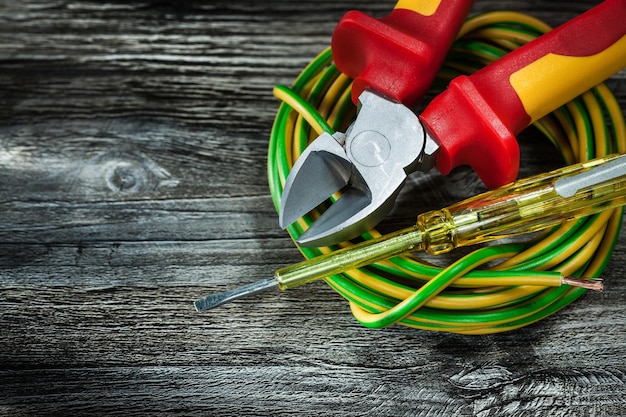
x=494 y=288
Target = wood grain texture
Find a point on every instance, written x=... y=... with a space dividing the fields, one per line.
x=133 y=141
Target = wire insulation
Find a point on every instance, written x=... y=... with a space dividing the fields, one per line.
x=494 y=288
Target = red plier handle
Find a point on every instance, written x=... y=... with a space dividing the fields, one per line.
x=399 y=55
x=477 y=118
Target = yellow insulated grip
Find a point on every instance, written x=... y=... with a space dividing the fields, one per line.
x=553 y=79
x=423 y=7
x=546 y=73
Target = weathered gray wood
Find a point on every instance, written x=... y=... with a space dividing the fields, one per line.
x=133 y=143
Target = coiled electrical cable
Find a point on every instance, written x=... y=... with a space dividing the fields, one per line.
x=493 y=288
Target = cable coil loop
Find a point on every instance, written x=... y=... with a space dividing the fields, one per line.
x=493 y=288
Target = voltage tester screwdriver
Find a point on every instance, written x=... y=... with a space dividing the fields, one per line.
x=528 y=205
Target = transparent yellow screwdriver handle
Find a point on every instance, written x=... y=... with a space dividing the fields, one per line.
x=524 y=206
x=528 y=205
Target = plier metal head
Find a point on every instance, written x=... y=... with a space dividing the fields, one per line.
x=369 y=164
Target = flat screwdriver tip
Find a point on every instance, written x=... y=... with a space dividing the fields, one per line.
x=217 y=299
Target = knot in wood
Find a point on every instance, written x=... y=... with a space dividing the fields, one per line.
x=125 y=176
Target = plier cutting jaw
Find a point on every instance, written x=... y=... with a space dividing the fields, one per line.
x=474 y=122
x=373 y=158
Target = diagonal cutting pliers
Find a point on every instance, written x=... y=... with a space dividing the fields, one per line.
x=392 y=60
x=473 y=122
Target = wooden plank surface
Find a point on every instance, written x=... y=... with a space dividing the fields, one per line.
x=133 y=142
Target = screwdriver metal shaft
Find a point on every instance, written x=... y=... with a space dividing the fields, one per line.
x=528 y=205
x=217 y=299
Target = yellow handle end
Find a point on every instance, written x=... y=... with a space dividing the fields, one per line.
x=423 y=7
x=553 y=79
